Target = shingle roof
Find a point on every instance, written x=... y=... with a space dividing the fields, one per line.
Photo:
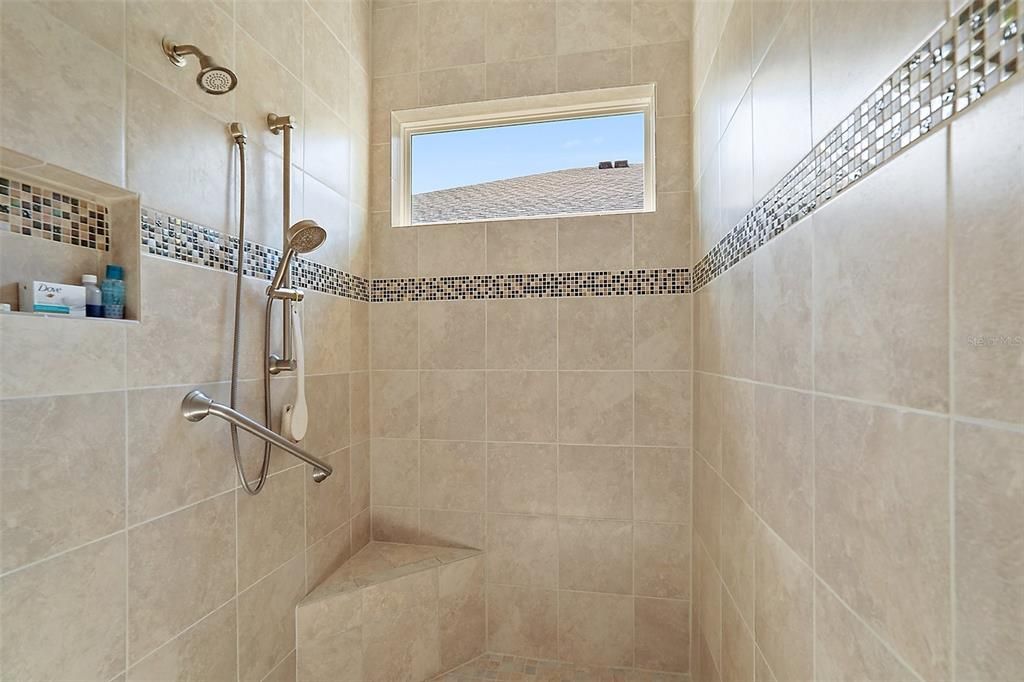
x=576 y=190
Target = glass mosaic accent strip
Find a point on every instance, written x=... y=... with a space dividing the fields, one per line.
x=41 y=212
x=533 y=285
x=974 y=51
x=172 y=237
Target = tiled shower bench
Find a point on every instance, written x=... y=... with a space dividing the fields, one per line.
x=391 y=613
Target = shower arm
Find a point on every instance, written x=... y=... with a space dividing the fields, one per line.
x=197 y=406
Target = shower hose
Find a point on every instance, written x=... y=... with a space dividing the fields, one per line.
x=250 y=488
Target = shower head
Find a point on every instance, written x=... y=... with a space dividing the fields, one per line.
x=305 y=236
x=213 y=79
x=302 y=237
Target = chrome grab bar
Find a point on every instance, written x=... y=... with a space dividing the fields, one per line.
x=197 y=405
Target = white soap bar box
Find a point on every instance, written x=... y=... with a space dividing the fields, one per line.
x=50 y=297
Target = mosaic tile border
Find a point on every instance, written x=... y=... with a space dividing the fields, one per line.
x=45 y=213
x=173 y=237
x=533 y=285
x=977 y=49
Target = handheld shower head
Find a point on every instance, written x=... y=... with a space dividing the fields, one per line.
x=213 y=79
x=303 y=237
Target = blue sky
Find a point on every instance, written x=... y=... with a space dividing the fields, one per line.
x=467 y=157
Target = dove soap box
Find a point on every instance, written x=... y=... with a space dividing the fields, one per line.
x=51 y=297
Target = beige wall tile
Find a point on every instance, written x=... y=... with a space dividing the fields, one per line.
x=338 y=17
x=453 y=405
x=54 y=75
x=737 y=412
x=180 y=567
x=662 y=239
x=394 y=249
x=331 y=209
x=361 y=530
x=155 y=119
x=394 y=611
x=461 y=611
x=784 y=465
x=590 y=70
x=394 y=334
x=521 y=246
x=707 y=500
x=102 y=22
x=662 y=330
x=360 y=464
x=327 y=502
x=781 y=95
x=396 y=472
x=522 y=478
x=51 y=502
x=882 y=521
x=325 y=68
x=586 y=24
x=989 y=551
x=277 y=26
x=326 y=319
x=65 y=618
x=394 y=399
x=452 y=249
x=452 y=334
x=522 y=550
x=172 y=463
x=266 y=619
x=324 y=556
x=522 y=334
x=767 y=20
x=877 y=228
x=329 y=639
x=359 y=404
x=595 y=481
x=661 y=21
x=734 y=60
x=328 y=145
x=782 y=309
x=737 y=193
x=519 y=79
x=395 y=40
x=452 y=33
x=988 y=258
x=395 y=524
x=844 y=72
x=519 y=30
x=359 y=328
x=662 y=628
x=739 y=536
x=39 y=360
x=707 y=586
x=206 y=651
x=707 y=417
x=661 y=560
x=452 y=475
x=661 y=64
x=738 y=651
x=662 y=406
x=451 y=528
x=454 y=85
x=595 y=243
x=595 y=332
x=673 y=154
x=595 y=407
x=595 y=628
x=783 y=609
x=595 y=555
x=328 y=414
x=146 y=23
x=661 y=484
x=522 y=621
x=521 y=406
x=846 y=650
x=391 y=93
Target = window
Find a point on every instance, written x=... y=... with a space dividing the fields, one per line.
x=579 y=153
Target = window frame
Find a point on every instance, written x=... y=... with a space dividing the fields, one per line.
x=630 y=99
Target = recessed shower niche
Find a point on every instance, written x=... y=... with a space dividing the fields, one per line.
x=57 y=225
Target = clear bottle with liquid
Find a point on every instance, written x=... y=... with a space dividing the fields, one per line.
x=93 y=297
x=113 y=293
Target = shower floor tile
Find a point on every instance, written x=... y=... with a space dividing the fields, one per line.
x=505 y=668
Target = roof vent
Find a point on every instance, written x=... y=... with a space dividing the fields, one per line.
x=622 y=164
x=604 y=165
